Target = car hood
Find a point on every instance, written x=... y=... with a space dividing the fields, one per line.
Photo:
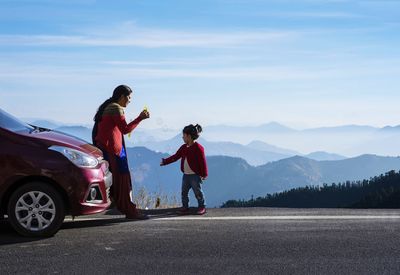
x=50 y=138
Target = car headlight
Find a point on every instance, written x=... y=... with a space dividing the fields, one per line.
x=78 y=158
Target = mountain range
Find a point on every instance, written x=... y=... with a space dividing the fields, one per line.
x=255 y=168
x=338 y=141
x=234 y=178
x=255 y=153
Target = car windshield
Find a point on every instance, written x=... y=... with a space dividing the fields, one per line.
x=13 y=124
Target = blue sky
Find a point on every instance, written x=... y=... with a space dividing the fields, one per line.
x=304 y=63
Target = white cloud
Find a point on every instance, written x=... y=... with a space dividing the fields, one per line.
x=127 y=35
x=310 y=14
x=368 y=68
x=319 y=15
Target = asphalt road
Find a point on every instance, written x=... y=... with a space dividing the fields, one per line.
x=224 y=241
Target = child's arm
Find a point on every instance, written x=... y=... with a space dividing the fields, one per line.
x=172 y=158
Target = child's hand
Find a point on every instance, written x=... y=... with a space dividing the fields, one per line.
x=203 y=178
x=162 y=162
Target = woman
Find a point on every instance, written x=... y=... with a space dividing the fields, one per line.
x=108 y=134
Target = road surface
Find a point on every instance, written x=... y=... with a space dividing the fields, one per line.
x=224 y=241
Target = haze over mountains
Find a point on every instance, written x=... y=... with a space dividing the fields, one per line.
x=347 y=140
x=269 y=142
x=255 y=168
x=255 y=153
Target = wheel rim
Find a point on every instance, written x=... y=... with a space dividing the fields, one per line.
x=35 y=211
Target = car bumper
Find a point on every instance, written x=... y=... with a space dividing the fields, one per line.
x=94 y=204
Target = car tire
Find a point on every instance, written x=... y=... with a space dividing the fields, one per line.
x=36 y=209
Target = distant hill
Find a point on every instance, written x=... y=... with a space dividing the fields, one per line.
x=146 y=171
x=352 y=168
x=45 y=123
x=252 y=156
x=268 y=127
x=250 y=153
x=342 y=129
x=234 y=178
x=140 y=138
x=381 y=191
x=255 y=153
x=346 y=140
x=274 y=128
x=263 y=146
x=278 y=140
x=78 y=131
x=391 y=129
x=320 y=156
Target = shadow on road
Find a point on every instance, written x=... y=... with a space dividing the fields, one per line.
x=93 y=223
x=9 y=236
x=159 y=213
x=153 y=213
x=169 y=212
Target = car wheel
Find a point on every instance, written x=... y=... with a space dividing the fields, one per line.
x=36 y=210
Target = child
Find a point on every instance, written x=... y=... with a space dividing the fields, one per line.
x=193 y=166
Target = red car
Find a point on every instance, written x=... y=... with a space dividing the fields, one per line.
x=45 y=175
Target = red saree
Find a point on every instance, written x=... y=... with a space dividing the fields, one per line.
x=110 y=139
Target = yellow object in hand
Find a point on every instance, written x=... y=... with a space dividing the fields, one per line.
x=146 y=111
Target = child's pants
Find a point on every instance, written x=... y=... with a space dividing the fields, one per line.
x=194 y=182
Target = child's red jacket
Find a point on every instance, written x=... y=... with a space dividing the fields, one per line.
x=195 y=157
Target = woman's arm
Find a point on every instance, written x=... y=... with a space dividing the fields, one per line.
x=126 y=128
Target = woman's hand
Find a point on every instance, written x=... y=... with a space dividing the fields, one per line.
x=162 y=162
x=203 y=178
x=144 y=114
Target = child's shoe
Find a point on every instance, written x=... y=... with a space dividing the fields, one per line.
x=201 y=211
x=184 y=211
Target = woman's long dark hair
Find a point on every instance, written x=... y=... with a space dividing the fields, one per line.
x=193 y=130
x=118 y=92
